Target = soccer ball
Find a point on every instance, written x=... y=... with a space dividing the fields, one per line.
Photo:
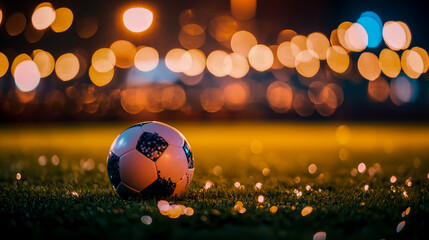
x=150 y=160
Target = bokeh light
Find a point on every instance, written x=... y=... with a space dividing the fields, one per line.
x=378 y=90
x=242 y=42
x=285 y=54
x=20 y=58
x=212 y=99
x=67 y=66
x=33 y=35
x=341 y=32
x=369 y=66
x=318 y=43
x=373 y=26
x=133 y=100
x=63 y=20
x=100 y=78
x=240 y=66
x=4 y=64
x=192 y=36
x=412 y=63
x=307 y=63
x=27 y=76
x=236 y=95
x=45 y=62
x=286 y=35
x=15 y=24
x=356 y=38
x=43 y=16
x=103 y=60
x=86 y=27
x=222 y=28
x=403 y=90
x=261 y=58
x=124 y=52
x=396 y=35
x=219 y=63
x=178 y=60
x=173 y=97
x=424 y=55
x=302 y=104
x=279 y=96
x=390 y=63
x=146 y=59
x=243 y=9
x=198 y=63
x=137 y=19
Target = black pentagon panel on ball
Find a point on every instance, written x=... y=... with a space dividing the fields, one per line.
x=189 y=156
x=151 y=145
x=113 y=169
x=159 y=189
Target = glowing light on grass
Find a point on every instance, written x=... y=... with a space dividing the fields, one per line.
x=307 y=63
x=373 y=26
x=366 y=187
x=408 y=182
x=343 y=134
x=178 y=60
x=208 y=184
x=4 y=64
x=146 y=59
x=312 y=168
x=55 y=160
x=412 y=63
x=43 y=16
x=396 y=35
x=189 y=211
x=361 y=167
x=242 y=42
x=137 y=19
x=400 y=226
x=147 y=220
x=258 y=186
x=67 y=66
x=237 y=184
x=266 y=171
x=27 y=76
x=308 y=187
x=15 y=24
x=18 y=176
x=274 y=209
x=356 y=38
x=306 y=210
x=45 y=62
x=240 y=66
x=318 y=43
x=261 y=58
x=369 y=66
x=63 y=20
x=43 y=160
x=124 y=52
x=319 y=236
x=192 y=36
x=406 y=212
x=390 y=63
x=198 y=63
x=219 y=63
x=338 y=59
x=343 y=154
x=378 y=90
x=212 y=100
x=217 y=170
x=174 y=211
x=101 y=78
x=261 y=198
x=279 y=96
x=393 y=179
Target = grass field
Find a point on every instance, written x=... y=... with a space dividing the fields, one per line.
x=351 y=182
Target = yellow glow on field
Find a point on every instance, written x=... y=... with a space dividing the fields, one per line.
x=67 y=66
x=4 y=64
x=103 y=60
x=137 y=19
x=242 y=42
x=43 y=16
x=390 y=63
x=101 y=78
x=15 y=24
x=63 y=20
x=261 y=58
x=369 y=66
x=146 y=59
x=45 y=62
x=219 y=63
x=124 y=53
x=318 y=43
x=27 y=76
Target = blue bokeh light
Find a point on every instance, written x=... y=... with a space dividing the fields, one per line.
x=373 y=26
x=160 y=74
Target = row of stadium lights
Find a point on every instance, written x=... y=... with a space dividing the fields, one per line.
x=293 y=51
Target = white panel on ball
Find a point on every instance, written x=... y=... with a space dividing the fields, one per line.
x=126 y=141
x=172 y=163
x=136 y=170
x=170 y=134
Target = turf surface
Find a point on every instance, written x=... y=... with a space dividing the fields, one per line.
x=53 y=183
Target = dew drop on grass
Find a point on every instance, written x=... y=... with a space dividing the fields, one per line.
x=319 y=236
x=307 y=210
x=400 y=226
x=146 y=220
